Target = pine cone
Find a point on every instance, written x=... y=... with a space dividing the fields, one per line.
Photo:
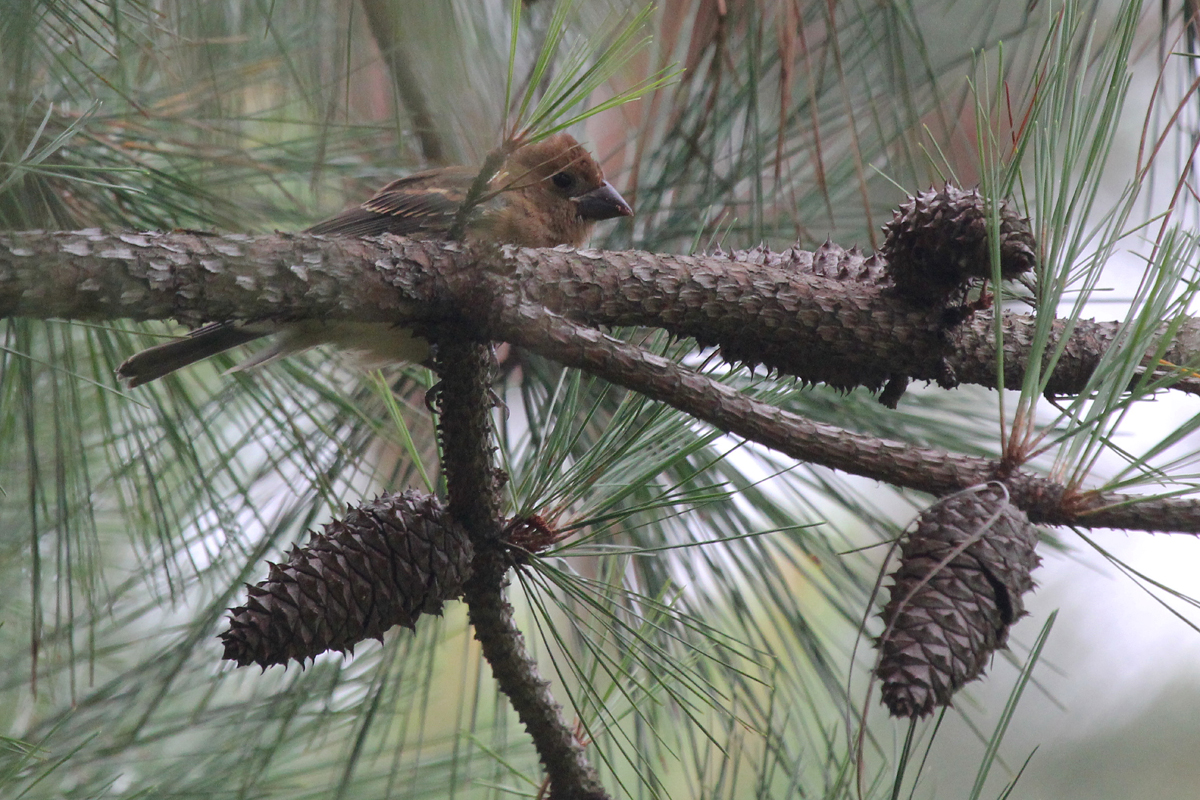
x=383 y=564
x=941 y=637
x=938 y=241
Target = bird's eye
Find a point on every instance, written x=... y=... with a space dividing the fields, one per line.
x=562 y=180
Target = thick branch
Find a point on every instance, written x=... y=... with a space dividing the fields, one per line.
x=826 y=316
x=824 y=319
x=926 y=469
x=194 y=277
x=824 y=322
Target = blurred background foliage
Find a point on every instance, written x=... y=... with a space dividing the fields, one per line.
x=701 y=622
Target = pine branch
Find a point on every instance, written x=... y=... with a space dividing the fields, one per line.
x=473 y=483
x=937 y=472
x=826 y=318
x=820 y=319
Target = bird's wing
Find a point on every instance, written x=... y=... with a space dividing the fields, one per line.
x=420 y=203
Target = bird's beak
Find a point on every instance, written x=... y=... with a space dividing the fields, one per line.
x=604 y=202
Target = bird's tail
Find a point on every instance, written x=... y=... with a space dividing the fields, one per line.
x=155 y=362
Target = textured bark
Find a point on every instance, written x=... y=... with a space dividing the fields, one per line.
x=473 y=485
x=516 y=673
x=195 y=277
x=934 y=471
x=822 y=317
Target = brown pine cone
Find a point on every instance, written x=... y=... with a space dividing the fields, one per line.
x=944 y=623
x=383 y=564
x=938 y=242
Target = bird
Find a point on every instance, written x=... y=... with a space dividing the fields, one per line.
x=548 y=193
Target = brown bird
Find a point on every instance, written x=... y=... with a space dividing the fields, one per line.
x=546 y=194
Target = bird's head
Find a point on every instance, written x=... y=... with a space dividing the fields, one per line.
x=558 y=192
